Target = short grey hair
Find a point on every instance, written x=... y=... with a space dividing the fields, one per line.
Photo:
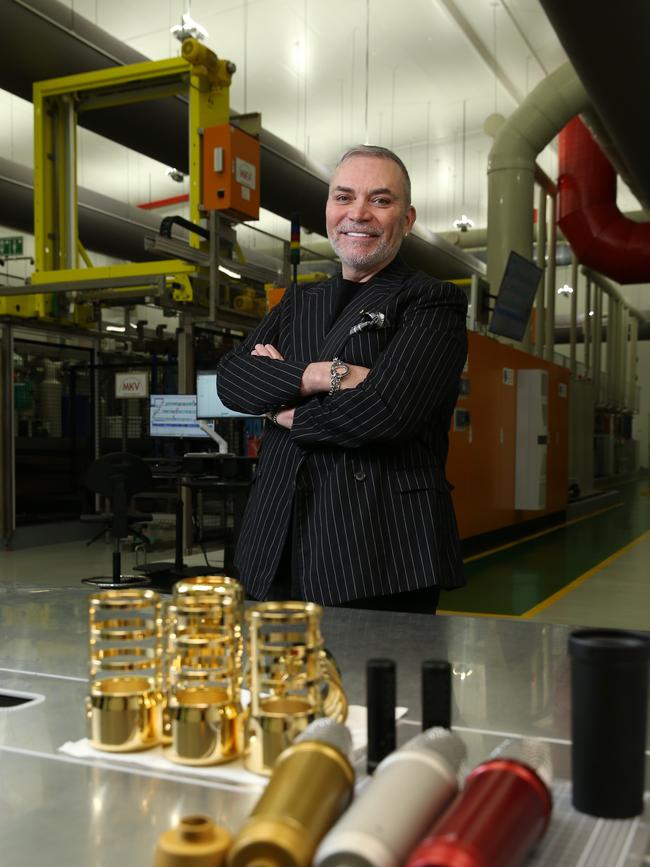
x=380 y=153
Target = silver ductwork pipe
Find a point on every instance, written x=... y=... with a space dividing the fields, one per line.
x=511 y=164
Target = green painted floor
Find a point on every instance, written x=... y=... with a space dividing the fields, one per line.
x=515 y=580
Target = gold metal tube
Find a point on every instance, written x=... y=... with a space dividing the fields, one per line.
x=293 y=681
x=207 y=726
x=311 y=785
x=124 y=714
x=125 y=701
x=203 y=671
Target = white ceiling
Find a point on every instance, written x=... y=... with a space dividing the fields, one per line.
x=436 y=70
x=302 y=63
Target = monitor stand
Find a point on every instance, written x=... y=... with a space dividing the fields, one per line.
x=219 y=440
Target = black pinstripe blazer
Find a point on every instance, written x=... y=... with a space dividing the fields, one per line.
x=364 y=470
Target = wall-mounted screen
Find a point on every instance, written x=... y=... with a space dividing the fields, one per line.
x=208 y=402
x=174 y=415
x=516 y=297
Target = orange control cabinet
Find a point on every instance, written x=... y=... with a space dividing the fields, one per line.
x=483 y=438
x=231 y=172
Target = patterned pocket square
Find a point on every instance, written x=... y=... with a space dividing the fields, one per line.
x=369 y=320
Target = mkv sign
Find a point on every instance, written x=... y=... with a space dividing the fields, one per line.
x=133 y=384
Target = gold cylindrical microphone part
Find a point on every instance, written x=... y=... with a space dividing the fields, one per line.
x=293 y=681
x=311 y=785
x=207 y=727
x=203 y=671
x=125 y=634
x=223 y=585
x=125 y=701
x=209 y=608
x=195 y=842
x=274 y=727
x=124 y=715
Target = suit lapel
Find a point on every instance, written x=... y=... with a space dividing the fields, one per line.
x=372 y=298
x=317 y=334
x=314 y=318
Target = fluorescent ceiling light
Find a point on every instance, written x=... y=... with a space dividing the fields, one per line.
x=565 y=290
x=119 y=328
x=229 y=272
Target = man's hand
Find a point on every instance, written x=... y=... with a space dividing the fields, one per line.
x=266 y=350
x=316 y=378
x=283 y=417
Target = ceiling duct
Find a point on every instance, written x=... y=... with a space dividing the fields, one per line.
x=600 y=235
x=105 y=225
x=42 y=39
x=511 y=164
x=607 y=44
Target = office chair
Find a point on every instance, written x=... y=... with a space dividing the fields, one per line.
x=118 y=476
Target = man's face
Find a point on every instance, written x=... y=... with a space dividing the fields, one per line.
x=367 y=214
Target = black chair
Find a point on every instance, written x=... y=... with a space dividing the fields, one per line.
x=118 y=476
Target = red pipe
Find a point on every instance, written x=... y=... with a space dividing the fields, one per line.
x=599 y=234
x=163 y=203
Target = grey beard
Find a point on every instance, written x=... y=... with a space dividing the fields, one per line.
x=382 y=252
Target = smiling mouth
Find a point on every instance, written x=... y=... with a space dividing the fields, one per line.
x=360 y=234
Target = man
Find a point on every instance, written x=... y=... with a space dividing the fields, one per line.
x=359 y=375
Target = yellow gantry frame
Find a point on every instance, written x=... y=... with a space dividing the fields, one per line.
x=57 y=103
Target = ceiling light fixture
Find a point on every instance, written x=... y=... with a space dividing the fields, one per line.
x=119 y=328
x=188 y=28
x=229 y=272
x=565 y=290
x=463 y=223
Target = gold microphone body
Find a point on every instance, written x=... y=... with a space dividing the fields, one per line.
x=311 y=785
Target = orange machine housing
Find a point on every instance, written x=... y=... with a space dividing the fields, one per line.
x=231 y=172
x=482 y=455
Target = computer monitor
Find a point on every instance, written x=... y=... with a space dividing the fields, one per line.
x=174 y=415
x=208 y=403
x=516 y=296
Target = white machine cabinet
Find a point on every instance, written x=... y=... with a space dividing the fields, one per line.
x=532 y=439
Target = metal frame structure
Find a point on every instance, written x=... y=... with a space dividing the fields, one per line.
x=200 y=75
x=43 y=333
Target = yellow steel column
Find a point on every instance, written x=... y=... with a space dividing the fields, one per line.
x=44 y=183
x=209 y=105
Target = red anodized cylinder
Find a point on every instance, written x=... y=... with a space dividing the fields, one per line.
x=501 y=813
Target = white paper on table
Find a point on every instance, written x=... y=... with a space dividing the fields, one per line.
x=230 y=772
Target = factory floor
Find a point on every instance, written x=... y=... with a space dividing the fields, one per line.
x=593 y=570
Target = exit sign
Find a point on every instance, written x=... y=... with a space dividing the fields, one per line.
x=11 y=246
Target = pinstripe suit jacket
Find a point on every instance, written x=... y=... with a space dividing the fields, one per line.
x=364 y=470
